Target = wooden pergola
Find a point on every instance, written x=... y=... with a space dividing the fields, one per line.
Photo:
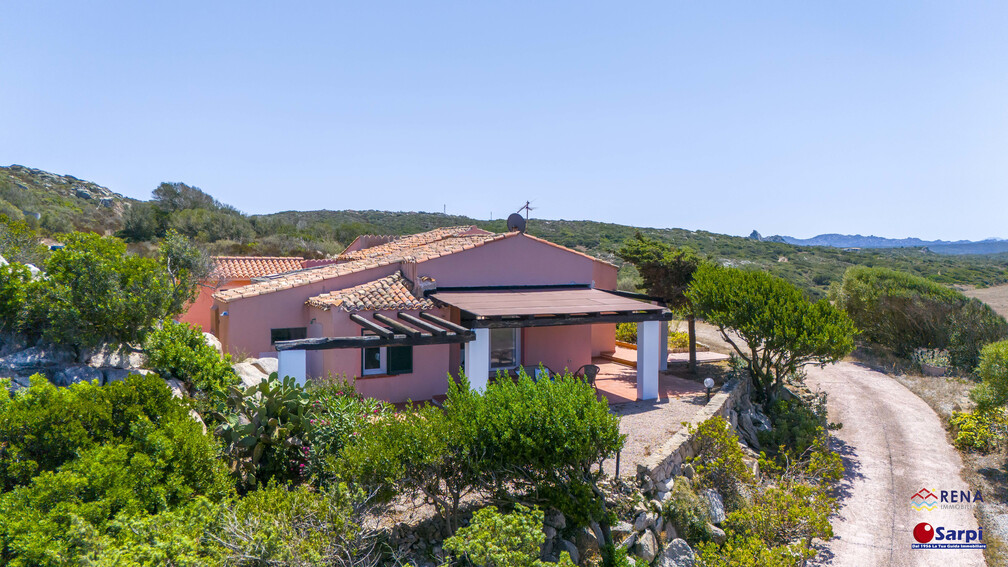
x=484 y=308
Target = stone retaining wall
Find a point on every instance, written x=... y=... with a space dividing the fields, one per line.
x=665 y=463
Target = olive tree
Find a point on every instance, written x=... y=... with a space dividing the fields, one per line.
x=781 y=331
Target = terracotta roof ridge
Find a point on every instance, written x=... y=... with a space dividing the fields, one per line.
x=315 y=274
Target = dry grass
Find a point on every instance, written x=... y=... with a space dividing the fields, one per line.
x=985 y=473
x=996 y=297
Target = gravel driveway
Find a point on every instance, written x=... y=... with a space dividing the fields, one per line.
x=893 y=445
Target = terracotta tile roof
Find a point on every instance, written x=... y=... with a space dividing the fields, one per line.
x=424 y=249
x=390 y=292
x=411 y=241
x=248 y=267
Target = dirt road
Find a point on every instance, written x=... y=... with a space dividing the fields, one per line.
x=893 y=445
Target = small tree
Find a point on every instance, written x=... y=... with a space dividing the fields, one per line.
x=993 y=371
x=187 y=266
x=781 y=331
x=94 y=292
x=667 y=274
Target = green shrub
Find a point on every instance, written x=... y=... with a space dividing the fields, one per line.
x=718 y=460
x=177 y=537
x=503 y=540
x=95 y=292
x=687 y=513
x=542 y=440
x=43 y=427
x=981 y=430
x=626 y=332
x=905 y=312
x=678 y=340
x=264 y=428
x=178 y=350
x=78 y=462
x=286 y=526
x=796 y=426
x=336 y=414
x=15 y=281
x=792 y=513
x=930 y=356
x=993 y=371
x=743 y=551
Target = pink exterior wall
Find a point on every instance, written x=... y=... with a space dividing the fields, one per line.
x=246 y=328
x=515 y=260
x=559 y=348
x=199 y=311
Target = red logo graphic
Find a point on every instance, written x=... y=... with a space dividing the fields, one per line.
x=923 y=532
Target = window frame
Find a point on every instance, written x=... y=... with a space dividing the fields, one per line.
x=517 y=348
x=274 y=340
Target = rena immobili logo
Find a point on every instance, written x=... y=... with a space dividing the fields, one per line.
x=926 y=499
x=923 y=500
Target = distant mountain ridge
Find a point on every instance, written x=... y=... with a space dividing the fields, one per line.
x=987 y=246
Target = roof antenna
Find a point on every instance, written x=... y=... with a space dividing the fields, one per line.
x=516 y=222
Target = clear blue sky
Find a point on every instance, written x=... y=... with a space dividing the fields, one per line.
x=796 y=118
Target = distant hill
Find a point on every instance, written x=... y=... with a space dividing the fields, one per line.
x=59 y=203
x=988 y=246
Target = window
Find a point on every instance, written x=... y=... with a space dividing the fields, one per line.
x=386 y=360
x=373 y=361
x=504 y=348
x=288 y=334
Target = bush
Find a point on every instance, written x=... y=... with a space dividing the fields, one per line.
x=982 y=430
x=336 y=414
x=743 y=551
x=94 y=292
x=687 y=513
x=175 y=537
x=796 y=426
x=905 y=312
x=264 y=429
x=180 y=351
x=993 y=372
x=286 y=526
x=15 y=281
x=542 y=439
x=718 y=460
x=626 y=332
x=930 y=356
x=503 y=540
x=793 y=513
x=77 y=462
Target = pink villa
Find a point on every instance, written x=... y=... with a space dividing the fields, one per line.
x=399 y=314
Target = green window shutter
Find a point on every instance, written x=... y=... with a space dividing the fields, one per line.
x=400 y=360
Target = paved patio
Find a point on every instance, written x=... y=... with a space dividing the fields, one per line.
x=647 y=424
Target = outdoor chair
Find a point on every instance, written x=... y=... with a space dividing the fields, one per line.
x=588 y=372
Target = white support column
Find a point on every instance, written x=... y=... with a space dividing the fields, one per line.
x=293 y=363
x=477 y=360
x=647 y=359
x=663 y=346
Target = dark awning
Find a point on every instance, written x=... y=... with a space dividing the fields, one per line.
x=537 y=307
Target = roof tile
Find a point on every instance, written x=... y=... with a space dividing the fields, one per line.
x=390 y=292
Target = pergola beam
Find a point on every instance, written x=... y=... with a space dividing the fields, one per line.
x=400 y=327
x=371 y=326
x=416 y=322
x=443 y=322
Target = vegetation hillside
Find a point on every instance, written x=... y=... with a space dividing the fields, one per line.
x=63 y=203
x=59 y=203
